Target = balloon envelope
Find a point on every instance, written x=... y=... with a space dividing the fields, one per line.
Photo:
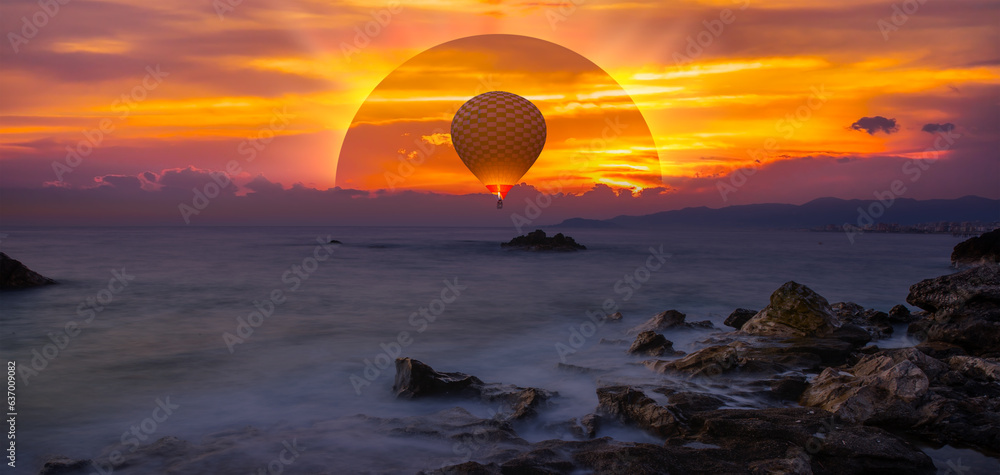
x=498 y=135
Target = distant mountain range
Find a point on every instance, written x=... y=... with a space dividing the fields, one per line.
x=818 y=212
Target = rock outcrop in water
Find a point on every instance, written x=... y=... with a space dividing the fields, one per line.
x=538 y=241
x=416 y=380
x=650 y=343
x=964 y=310
x=669 y=320
x=739 y=317
x=14 y=275
x=984 y=249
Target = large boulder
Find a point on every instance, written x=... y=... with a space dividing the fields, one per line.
x=794 y=311
x=14 y=275
x=975 y=288
x=859 y=398
x=415 y=379
x=964 y=310
x=538 y=241
x=955 y=401
x=982 y=249
x=885 y=386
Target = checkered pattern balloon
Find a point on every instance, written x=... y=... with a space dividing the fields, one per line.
x=499 y=136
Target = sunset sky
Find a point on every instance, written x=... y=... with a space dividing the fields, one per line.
x=821 y=98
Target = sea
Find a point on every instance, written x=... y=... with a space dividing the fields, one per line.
x=191 y=332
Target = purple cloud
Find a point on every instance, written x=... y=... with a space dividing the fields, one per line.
x=876 y=124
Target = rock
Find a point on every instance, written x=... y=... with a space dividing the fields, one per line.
x=688 y=402
x=755 y=441
x=880 y=389
x=825 y=351
x=766 y=357
x=982 y=249
x=795 y=461
x=978 y=287
x=847 y=311
x=876 y=323
x=584 y=428
x=540 y=459
x=590 y=424
x=788 y=388
x=939 y=349
x=415 y=379
x=613 y=341
x=795 y=310
x=901 y=314
x=14 y=275
x=537 y=241
x=65 y=466
x=739 y=317
x=467 y=468
x=527 y=402
x=661 y=321
x=633 y=406
x=671 y=319
x=885 y=359
x=862 y=449
x=706 y=362
x=650 y=459
x=964 y=310
x=853 y=334
x=964 y=420
x=650 y=343
x=167 y=454
x=773 y=438
x=975 y=368
x=956 y=401
x=581 y=369
x=615 y=317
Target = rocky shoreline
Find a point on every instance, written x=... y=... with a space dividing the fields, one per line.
x=859 y=407
x=836 y=402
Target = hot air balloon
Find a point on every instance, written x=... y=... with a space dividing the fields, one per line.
x=498 y=135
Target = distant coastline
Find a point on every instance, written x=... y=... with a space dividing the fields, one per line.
x=965 y=216
x=962 y=229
